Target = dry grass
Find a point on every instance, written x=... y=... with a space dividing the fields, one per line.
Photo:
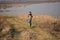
x=43 y=28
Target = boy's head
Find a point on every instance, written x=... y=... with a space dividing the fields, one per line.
x=30 y=12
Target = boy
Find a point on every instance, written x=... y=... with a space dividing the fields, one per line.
x=30 y=18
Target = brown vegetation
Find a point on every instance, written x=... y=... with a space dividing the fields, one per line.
x=17 y=28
